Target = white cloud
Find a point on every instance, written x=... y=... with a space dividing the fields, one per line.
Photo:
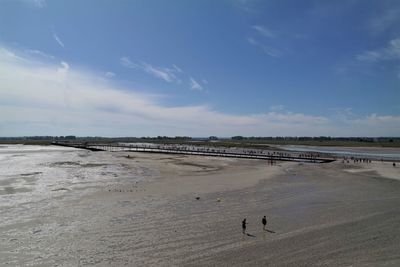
x=277 y=108
x=273 y=52
x=369 y=56
x=173 y=74
x=110 y=74
x=8 y=55
x=249 y=6
x=263 y=31
x=36 y=3
x=166 y=74
x=39 y=98
x=390 y=17
x=294 y=118
x=64 y=68
x=126 y=62
x=375 y=123
x=39 y=53
x=252 y=41
x=177 y=68
x=58 y=40
x=40 y=3
x=390 y=52
x=195 y=85
x=161 y=73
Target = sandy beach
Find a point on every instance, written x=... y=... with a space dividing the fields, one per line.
x=78 y=208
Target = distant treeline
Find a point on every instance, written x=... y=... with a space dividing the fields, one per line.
x=214 y=138
x=188 y=138
x=320 y=138
x=39 y=138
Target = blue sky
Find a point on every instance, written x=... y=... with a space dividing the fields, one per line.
x=199 y=68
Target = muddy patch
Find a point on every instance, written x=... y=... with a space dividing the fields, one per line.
x=69 y=164
x=30 y=173
x=10 y=190
x=60 y=189
x=65 y=164
x=25 y=179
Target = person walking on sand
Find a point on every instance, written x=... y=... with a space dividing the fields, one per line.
x=264 y=222
x=244 y=226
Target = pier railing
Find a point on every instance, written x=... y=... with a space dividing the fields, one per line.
x=204 y=151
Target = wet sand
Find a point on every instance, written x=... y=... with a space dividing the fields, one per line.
x=145 y=213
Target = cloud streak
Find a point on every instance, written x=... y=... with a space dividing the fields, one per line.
x=58 y=40
x=39 y=98
x=390 y=17
x=194 y=85
x=36 y=3
x=263 y=31
x=390 y=52
x=170 y=75
x=270 y=51
x=110 y=74
x=161 y=73
x=166 y=74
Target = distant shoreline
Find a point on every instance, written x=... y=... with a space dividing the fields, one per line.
x=248 y=143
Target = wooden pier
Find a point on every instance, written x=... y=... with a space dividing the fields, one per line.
x=259 y=154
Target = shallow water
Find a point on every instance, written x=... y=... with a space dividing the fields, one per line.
x=38 y=172
x=378 y=153
x=41 y=196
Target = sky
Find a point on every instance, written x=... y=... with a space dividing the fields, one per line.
x=200 y=68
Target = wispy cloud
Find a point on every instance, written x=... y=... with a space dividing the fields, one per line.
x=40 y=98
x=387 y=56
x=174 y=74
x=375 y=123
x=388 y=18
x=166 y=74
x=390 y=52
x=110 y=74
x=58 y=40
x=277 y=108
x=39 y=53
x=249 y=6
x=252 y=41
x=263 y=31
x=126 y=62
x=36 y=3
x=195 y=85
x=273 y=52
x=177 y=68
x=161 y=73
x=369 y=56
x=64 y=68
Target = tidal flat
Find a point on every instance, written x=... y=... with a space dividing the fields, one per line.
x=71 y=207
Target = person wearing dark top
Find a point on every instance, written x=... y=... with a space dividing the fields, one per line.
x=244 y=226
x=264 y=222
